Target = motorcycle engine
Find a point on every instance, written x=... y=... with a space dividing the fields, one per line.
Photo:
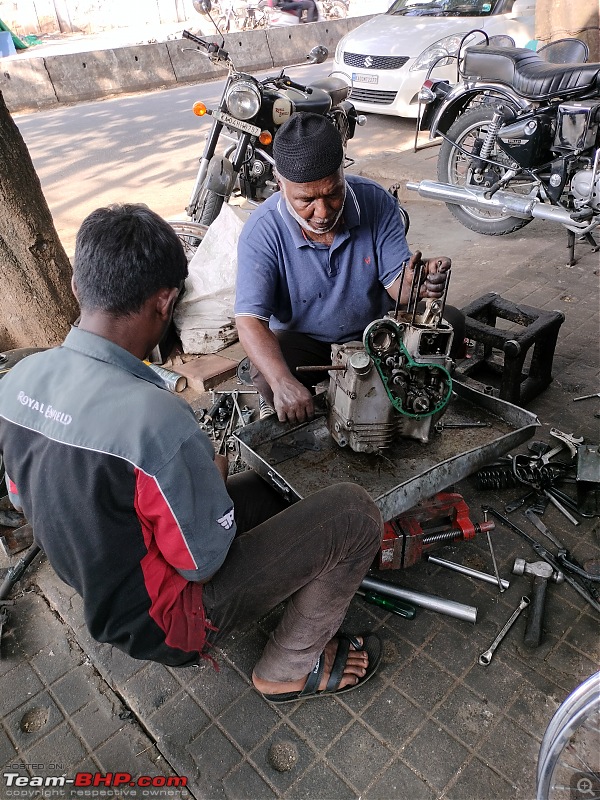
x=395 y=383
x=584 y=192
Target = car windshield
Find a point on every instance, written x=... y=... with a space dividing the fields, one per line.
x=444 y=8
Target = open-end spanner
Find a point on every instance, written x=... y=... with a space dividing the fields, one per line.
x=485 y=658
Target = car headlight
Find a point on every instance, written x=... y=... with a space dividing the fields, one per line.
x=444 y=49
x=243 y=100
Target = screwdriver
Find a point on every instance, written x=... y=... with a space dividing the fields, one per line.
x=395 y=606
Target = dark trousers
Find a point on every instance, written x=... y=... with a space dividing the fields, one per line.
x=312 y=554
x=299 y=6
x=298 y=350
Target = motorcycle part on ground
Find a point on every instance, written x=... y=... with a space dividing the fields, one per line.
x=443 y=519
x=397 y=382
x=428 y=601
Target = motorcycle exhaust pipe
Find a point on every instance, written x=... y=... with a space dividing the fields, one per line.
x=506 y=203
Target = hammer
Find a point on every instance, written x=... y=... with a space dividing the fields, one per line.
x=542 y=573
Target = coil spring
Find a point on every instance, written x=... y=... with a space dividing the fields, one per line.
x=496 y=477
x=494 y=127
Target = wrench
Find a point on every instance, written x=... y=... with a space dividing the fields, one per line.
x=485 y=658
x=564 y=439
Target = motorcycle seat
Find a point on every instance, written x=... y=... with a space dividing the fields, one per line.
x=527 y=73
x=336 y=88
x=318 y=101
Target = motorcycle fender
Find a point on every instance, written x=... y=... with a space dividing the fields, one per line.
x=220 y=176
x=454 y=104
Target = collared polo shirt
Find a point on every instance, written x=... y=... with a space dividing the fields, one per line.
x=328 y=292
x=120 y=487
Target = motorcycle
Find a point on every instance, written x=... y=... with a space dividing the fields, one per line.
x=241 y=15
x=249 y=113
x=521 y=141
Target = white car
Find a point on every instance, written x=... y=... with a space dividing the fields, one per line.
x=388 y=56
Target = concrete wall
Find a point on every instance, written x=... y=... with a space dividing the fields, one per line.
x=34 y=83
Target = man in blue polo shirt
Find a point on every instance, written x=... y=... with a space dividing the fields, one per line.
x=317 y=263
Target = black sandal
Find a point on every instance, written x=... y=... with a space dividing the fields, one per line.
x=374 y=649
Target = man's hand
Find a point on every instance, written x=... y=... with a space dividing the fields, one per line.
x=293 y=402
x=433 y=276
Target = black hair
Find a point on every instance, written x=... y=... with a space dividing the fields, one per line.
x=123 y=255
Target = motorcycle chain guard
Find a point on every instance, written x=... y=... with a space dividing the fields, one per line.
x=415 y=389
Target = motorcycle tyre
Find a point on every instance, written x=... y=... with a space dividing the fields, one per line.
x=210 y=207
x=338 y=10
x=468 y=216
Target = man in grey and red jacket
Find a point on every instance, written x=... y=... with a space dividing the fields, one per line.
x=134 y=510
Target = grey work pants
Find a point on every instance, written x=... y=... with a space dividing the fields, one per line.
x=313 y=554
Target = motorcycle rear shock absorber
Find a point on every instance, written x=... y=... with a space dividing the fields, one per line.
x=498 y=476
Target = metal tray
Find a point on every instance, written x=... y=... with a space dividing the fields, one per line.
x=301 y=459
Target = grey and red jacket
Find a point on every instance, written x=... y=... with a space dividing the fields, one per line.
x=121 y=489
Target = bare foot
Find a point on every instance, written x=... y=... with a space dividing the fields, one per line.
x=355 y=669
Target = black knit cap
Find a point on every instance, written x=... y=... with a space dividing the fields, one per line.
x=307 y=148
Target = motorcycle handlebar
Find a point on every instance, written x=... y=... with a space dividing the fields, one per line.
x=211 y=47
x=285 y=81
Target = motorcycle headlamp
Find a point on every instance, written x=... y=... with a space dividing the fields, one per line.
x=243 y=100
x=445 y=50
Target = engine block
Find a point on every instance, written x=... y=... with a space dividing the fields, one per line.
x=396 y=382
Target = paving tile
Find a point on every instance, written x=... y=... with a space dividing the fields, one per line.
x=435 y=755
x=215 y=690
x=178 y=721
x=56 y=659
x=469 y=717
x=584 y=636
x=478 y=781
x=452 y=650
x=571 y=662
x=249 y=720
x=18 y=686
x=358 y=755
x=214 y=755
x=97 y=721
x=129 y=746
x=8 y=754
x=61 y=746
x=283 y=744
x=424 y=683
x=398 y=781
x=533 y=708
x=33 y=720
x=150 y=688
x=244 y=783
x=244 y=649
x=497 y=682
x=321 y=782
x=513 y=753
x=35 y=627
x=321 y=721
x=76 y=688
x=393 y=717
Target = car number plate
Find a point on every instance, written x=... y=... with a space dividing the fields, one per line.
x=238 y=124
x=359 y=77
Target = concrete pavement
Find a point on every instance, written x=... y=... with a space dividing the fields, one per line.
x=432 y=723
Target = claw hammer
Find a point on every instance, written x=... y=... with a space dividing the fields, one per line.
x=542 y=573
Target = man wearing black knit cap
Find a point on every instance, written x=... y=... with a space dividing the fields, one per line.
x=317 y=263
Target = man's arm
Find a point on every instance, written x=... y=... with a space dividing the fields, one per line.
x=433 y=279
x=293 y=402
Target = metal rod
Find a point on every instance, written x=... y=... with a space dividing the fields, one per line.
x=323 y=368
x=496 y=573
x=402 y=274
x=429 y=601
x=472 y=573
x=561 y=508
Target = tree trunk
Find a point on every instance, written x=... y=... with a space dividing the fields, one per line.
x=36 y=302
x=566 y=19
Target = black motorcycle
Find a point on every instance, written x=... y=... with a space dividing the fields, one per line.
x=248 y=116
x=521 y=140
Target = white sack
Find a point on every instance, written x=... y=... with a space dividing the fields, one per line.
x=204 y=316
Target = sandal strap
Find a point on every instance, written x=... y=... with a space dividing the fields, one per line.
x=339 y=663
x=314 y=679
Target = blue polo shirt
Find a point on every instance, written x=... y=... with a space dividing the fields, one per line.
x=328 y=292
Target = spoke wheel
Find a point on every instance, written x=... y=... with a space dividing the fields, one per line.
x=190 y=235
x=455 y=168
x=569 y=759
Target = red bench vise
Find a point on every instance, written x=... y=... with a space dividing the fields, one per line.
x=441 y=519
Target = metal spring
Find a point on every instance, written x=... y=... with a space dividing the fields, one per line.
x=496 y=477
x=445 y=536
x=492 y=133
